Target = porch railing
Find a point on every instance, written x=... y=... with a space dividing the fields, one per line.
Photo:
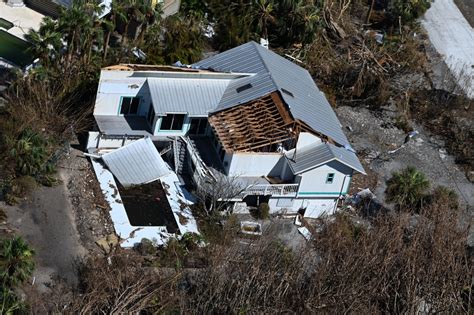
x=277 y=190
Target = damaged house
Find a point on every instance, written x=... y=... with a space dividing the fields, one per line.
x=246 y=113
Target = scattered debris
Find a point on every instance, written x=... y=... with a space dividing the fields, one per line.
x=305 y=232
x=251 y=228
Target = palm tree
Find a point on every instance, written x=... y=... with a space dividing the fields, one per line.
x=183 y=39
x=263 y=16
x=16 y=261
x=72 y=23
x=150 y=14
x=407 y=188
x=46 y=42
x=9 y=302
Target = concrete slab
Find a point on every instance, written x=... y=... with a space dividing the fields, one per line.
x=453 y=37
x=23 y=19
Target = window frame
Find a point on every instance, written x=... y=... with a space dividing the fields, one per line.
x=172 y=122
x=122 y=98
x=150 y=116
x=201 y=121
x=330 y=178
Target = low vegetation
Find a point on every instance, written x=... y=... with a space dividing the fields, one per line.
x=16 y=266
x=407 y=188
x=408 y=261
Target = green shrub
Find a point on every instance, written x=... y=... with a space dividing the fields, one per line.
x=16 y=261
x=31 y=154
x=408 y=10
x=407 y=188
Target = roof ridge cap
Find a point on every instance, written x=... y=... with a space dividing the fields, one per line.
x=257 y=48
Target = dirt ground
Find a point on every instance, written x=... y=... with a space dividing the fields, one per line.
x=62 y=222
x=373 y=135
x=467 y=9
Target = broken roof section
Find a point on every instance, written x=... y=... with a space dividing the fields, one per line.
x=136 y=163
x=274 y=73
x=315 y=155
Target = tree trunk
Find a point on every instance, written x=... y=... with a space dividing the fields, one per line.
x=367 y=20
x=106 y=45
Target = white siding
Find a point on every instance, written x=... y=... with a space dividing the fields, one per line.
x=315 y=207
x=254 y=164
x=111 y=91
x=306 y=138
x=313 y=183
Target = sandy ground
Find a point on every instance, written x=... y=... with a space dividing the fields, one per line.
x=373 y=135
x=47 y=222
x=63 y=222
x=453 y=37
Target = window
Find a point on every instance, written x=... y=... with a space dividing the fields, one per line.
x=330 y=178
x=129 y=105
x=172 y=122
x=243 y=88
x=198 y=126
x=287 y=92
x=151 y=114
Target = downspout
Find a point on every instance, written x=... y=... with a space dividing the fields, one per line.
x=340 y=193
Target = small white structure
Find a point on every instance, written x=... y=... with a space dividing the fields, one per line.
x=247 y=113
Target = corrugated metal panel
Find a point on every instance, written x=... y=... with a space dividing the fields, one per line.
x=312 y=156
x=244 y=58
x=261 y=85
x=347 y=157
x=309 y=157
x=123 y=125
x=307 y=104
x=136 y=163
x=192 y=96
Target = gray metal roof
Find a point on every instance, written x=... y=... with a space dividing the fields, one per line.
x=120 y=125
x=183 y=95
x=275 y=73
x=314 y=155
x=136 y=163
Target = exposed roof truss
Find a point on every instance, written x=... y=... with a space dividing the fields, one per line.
x=254 y=125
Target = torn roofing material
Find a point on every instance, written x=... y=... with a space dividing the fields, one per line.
x=274 y=73
x=314 y=155
x=136 y=163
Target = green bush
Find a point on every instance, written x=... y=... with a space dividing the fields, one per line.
x=408 y=10
x=407 y=188
x=16 y=261
x=31 y=154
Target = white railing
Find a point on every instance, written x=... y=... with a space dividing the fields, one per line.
x=201 y=169
x=277 y=190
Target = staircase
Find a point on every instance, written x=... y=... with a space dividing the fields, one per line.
x=179 y=154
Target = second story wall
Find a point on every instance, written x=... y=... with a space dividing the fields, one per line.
x=111 y=93
x=328 y=180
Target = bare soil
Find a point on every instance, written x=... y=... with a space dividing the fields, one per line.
x=467 y=9
x=374 y=135
x=147 y=205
